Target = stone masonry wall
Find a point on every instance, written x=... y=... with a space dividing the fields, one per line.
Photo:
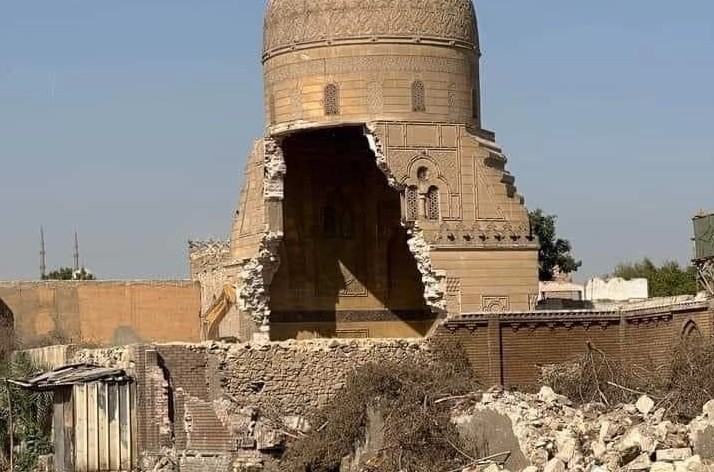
x=216 y=404
x=207 y=260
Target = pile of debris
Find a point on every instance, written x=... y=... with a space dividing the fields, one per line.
x=549 y=434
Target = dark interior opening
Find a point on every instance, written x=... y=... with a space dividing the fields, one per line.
x=344 y=257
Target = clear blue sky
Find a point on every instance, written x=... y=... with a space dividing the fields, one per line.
x=132 y=119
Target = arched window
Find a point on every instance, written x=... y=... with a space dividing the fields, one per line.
x=418 y=96
x=423 y=174
x=411 y=196
x=332 y=99
x=432 y=204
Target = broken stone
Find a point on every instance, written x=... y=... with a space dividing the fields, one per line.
x=708 y=409
x=599 y=449
x=635 y=439
x=673 y=455
x=566 y=448
x=554 y=465
x=547 y=395
x=493 y=467
x=645 y=405
x=642 y=462
x=530 y=468
x=662 y=467
x=702 y=438
x=693 y=464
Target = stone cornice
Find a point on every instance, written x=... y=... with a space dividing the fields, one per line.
x=569 y=318
x=357 y=41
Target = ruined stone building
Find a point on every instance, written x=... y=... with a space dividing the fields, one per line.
x=375 y=206
x=376 y=203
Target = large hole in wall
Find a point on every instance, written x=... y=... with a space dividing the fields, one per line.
x=7 y=330
x=345 y=266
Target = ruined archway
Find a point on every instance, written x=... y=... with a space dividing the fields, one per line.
x=345 y=269
x=7 y=330
x=691 y=332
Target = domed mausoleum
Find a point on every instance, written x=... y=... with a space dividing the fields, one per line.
x=376 y=204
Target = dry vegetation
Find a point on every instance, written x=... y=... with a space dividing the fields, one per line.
x=29 y=413
x=418 y=435
x=681 y=386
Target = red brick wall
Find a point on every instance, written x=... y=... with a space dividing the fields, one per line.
x=524 y=349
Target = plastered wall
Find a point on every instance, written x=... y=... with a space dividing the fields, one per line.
x=106 y=313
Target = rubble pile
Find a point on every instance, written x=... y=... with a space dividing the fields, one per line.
x=555 y=436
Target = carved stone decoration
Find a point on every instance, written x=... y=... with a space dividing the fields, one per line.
x=532 y=301
x=296 y=102
x=451 y=98
x=375 y=97
x=453 y=285
x=495 y=304
x=340 y=66
x=292 y=24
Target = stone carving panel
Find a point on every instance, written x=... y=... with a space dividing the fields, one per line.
x=339 y=66
x=295 y=22
x=404 y=165
x=495 y=304
x=375 y=97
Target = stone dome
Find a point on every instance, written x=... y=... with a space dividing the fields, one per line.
x=299 y=24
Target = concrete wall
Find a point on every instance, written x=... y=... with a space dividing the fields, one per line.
x=106 y=313
x=616 y=289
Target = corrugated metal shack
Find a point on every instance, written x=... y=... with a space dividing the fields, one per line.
x=94 y=417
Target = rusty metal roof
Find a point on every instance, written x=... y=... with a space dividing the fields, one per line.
x=73 y=374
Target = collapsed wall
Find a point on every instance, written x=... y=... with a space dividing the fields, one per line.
x=222 y=405
x=231 y=407
x=434 y=283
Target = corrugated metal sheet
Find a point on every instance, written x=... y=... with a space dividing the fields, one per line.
x=104 y=427
x=704 y=236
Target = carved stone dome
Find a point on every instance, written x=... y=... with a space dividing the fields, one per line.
x=299 y=24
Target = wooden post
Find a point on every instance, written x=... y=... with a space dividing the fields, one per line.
x=10 y=426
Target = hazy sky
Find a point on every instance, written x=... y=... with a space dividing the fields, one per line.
x=132 y=119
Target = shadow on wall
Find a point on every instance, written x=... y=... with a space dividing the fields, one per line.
x=7 y=330
x=344 y=252
x=125 y=335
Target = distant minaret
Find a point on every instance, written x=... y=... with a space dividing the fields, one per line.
x=43 y=266
x=76 y=251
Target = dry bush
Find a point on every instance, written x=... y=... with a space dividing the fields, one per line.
x=681 y=385
x=418 y=433
x=691 y=380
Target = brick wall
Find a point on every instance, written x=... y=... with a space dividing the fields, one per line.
x=209 y=401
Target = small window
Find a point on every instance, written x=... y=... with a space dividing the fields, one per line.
x=418 y=96
x=412 y=203
x=432 y=204
x=423 y=174
x=332 y=100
